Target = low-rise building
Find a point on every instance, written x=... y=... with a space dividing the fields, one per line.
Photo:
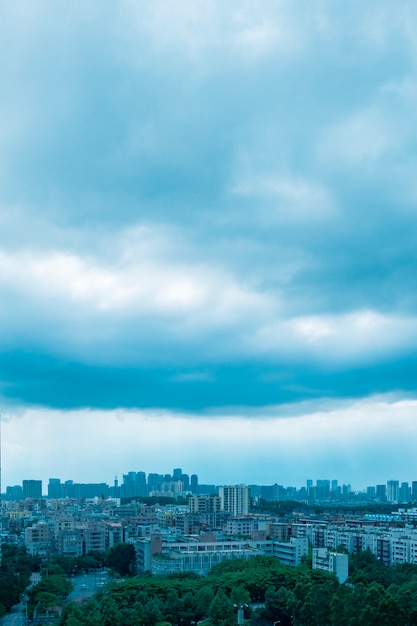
x=39 y=539
x=199 y=557
x=333 y=562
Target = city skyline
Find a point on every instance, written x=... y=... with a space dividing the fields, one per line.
x=208 y=239
x=191 y=484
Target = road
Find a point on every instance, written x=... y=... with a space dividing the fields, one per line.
x=15 y=618
x=87 y=585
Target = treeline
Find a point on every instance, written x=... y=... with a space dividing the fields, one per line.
x=298 y=596
x=17 y=565
x=284 y=508
x=15 y=569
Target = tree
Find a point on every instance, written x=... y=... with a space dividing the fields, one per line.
x=204 y=598
x=240 y=595
x=221 y=610
x=110 y=612
x=151 y=613
x=121 y=559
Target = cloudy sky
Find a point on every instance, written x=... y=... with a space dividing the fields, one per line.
x=208 y=240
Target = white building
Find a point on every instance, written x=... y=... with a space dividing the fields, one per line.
x=194 y=555
x=235 y=499
x=333 y=562
x=200 y=557
x=245 y=526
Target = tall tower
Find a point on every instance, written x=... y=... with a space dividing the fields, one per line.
x=235 y=499
x=393 y=487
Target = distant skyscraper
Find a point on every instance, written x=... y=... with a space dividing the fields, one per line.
x=134 y=484
x=393 y=490
x=32 y=489
x=414 y=491
x=323 y=489
x=14 y=493
x=381 y=493
x=194 y=483
x=404 y=495
x=54 y=488
x=177 y=474
x=155 y=482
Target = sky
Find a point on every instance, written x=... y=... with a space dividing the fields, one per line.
x=208 y=240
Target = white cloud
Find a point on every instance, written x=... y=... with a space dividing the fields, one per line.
x=361 y=139
x=287 y=199
x=149 y=276
x=359 y=336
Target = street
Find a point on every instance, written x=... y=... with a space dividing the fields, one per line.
x=15 y=618
x=87 y=585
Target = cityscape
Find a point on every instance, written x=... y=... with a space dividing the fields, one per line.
x=161 y=526
x=208 y=253
x=180 y=484
x=175 y=516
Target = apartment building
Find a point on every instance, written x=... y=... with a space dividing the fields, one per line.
x=235 y=499
x=39 y=539
x=333 y=562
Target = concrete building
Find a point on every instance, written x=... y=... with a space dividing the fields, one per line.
x=291 y=552
x=14 y=493
x=393 y=487
x=94 y=539
x=333 y=562
x=114 y=534
x=200 y=505
x=165 y=557
x=32 y=489
x=279 y=531
x=39 y=539
x=70 y=543
x=199 y=557
x=55 y=488
x=235 y=499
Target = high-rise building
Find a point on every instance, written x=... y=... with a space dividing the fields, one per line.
x=155 y=482
x=134 y=484
x=194 y=483
x=381 y=493
x=235 y=499
x=55 y=488
x=177 y=474
x=414 y=491
x=393 y=490
x=323 y=489
x=405 y=493
x=14 y=493
x=32 y=489
x=371 y=492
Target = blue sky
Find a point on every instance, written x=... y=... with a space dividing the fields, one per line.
x=208 y=240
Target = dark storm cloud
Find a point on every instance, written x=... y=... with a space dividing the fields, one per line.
x=205 y=206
